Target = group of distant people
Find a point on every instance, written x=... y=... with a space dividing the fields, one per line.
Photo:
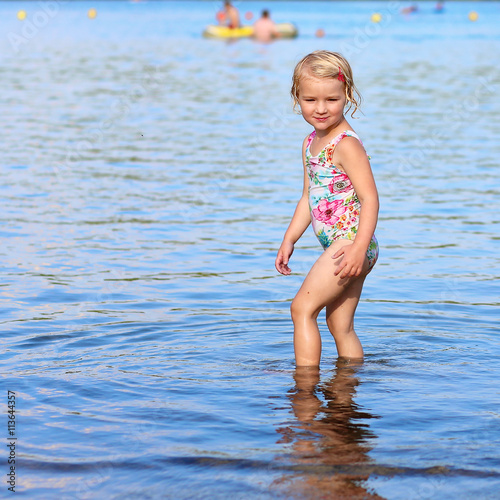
x=439 y=7
x=264 y=29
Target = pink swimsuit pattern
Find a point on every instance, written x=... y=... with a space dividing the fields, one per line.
x=333 y=203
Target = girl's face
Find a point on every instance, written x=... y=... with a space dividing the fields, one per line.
x=322 y=102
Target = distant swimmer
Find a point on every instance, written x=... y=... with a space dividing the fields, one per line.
x=439 y=7
x=229 y=16
x=264 y=29
x=409 y=10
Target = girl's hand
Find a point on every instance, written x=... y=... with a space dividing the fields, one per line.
x=284 y=254
x=352 y=261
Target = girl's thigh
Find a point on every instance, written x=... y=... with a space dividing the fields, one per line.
x=321 y=287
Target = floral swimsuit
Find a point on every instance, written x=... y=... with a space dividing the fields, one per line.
x=333 y=203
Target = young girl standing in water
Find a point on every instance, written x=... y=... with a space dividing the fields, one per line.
x=341 y=200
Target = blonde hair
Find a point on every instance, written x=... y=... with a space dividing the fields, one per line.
x=326 y=64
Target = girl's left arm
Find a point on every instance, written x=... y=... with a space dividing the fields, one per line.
x=353 y=159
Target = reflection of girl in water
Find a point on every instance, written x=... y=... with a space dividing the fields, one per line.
x=329 y=432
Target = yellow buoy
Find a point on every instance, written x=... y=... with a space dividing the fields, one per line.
x=473 y=16
x=376 y=18
x=92 y=13
x=21 y=15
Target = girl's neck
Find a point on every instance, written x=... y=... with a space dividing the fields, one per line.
x=333 y=131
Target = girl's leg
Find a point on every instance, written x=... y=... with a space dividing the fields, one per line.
x=320 y=288
x=340 y=320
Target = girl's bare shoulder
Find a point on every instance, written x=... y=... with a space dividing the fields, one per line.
x=350 y=146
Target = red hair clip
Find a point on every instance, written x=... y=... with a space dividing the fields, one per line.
x=341 y=76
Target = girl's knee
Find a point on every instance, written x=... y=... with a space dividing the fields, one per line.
x=295 y=308
x=302 y=308
x=340 y=332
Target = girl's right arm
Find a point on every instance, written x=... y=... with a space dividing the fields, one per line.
x=299 y=223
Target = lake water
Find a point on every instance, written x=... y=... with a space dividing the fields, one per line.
x=148 y=176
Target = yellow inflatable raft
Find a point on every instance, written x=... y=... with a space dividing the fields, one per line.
x=286 y=30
